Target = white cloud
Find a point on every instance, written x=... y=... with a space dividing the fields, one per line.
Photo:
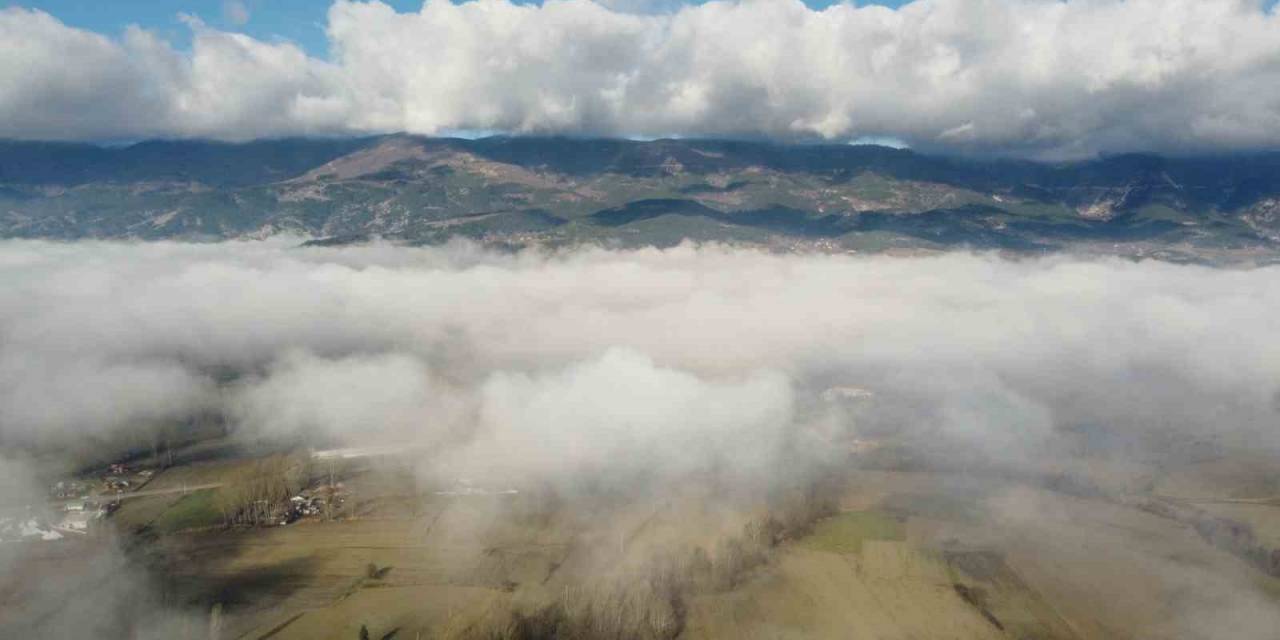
x=353 y=397
x=62 y=83
x=58 y=82
x=697 y=346
x=236 y=87
x=619 y=415
x=1024 y=76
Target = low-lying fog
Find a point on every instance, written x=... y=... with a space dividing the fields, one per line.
x=617 y=366
x=558 y=362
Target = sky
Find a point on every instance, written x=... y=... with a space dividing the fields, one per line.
x=1045 y=79
x=298 y=21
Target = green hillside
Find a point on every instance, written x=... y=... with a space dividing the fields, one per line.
x=523 y=191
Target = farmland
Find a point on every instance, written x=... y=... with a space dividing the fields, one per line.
x=919 y=553
x=891 y=540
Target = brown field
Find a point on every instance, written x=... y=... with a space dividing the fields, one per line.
x=915 y=555
x=266 y=576
x=909 y=554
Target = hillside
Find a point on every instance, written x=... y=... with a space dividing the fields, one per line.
x=522 y=191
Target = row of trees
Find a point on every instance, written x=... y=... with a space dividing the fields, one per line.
x=1232 y=536
x=650 y=603
x=260 y=493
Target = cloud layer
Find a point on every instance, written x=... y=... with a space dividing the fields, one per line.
x=665 y=361
x=1030 y=77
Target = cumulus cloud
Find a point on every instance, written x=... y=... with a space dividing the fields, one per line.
x=57 y=82
x=618 y=416
x=1031 y=77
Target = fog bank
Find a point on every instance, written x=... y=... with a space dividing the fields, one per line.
x=575 y=356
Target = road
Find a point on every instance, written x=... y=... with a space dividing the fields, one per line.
x=365 y=452
x=1273 y=501
x=109 y=497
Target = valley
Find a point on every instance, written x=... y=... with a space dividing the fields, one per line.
x=877 y=549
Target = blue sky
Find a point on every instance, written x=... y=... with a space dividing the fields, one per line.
x=300 y=21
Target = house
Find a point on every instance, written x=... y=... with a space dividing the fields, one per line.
x=75 y=522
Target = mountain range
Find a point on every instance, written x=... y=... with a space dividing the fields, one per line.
x=521 y=191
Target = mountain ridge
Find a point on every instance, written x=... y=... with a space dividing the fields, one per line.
x=530 y=190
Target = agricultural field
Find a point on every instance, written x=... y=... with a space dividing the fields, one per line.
x=905 y=554
x=881 y=549
x=189 y=489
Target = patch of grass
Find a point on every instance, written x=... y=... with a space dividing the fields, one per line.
x=192 y=511
x=845 y=533
x=137 y=513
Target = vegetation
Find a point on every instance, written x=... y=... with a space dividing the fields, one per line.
x=846 y=532
x=192 y=511
x=651 y=602
x=261 y=492
x=521 y=191
x=1232 y=536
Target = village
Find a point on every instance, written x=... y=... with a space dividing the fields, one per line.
x=74 y=506
x=84 y=504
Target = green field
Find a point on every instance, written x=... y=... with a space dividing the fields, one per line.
x=192 y=511
x=846 y=532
